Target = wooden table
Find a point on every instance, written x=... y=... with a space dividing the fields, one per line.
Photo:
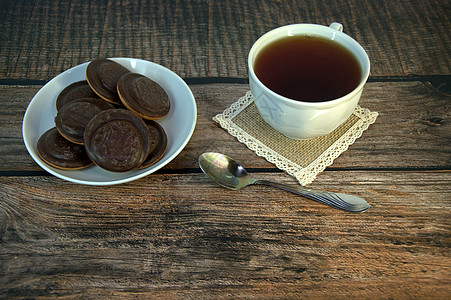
x=174 y=233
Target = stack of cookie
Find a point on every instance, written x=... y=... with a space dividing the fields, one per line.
x=107 y=119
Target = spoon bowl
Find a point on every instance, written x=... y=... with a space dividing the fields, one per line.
x=228 y=173
x=224 y=170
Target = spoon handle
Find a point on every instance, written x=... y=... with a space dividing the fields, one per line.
x=338 y=200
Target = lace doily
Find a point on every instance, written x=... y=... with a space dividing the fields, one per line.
x=303 y=159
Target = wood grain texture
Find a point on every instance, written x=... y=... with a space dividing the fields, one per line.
x=148 y=239
x=175 y=234
x=40 y=39
x=412 y=130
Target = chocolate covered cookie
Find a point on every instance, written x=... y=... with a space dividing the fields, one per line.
x=158 y=143
x=74 y=91
x=73 y=117
x=58 y=152
x=117 y=140
x=102 y=75
x=143 y=96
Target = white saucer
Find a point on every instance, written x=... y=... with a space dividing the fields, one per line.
x=179 y=124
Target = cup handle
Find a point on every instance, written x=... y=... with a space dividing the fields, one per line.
x=336 y=26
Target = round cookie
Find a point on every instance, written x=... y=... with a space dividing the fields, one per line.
x=117 y=140
x=58 y=152
x=73 y=117
x=102 y=75
x=74 y=91
x=158 y=143
x=143 y=96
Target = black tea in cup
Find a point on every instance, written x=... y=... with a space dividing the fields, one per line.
x=308 y=68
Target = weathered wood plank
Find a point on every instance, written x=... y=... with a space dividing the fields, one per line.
x=212 y=38
x=412 y=130
x=183 y=235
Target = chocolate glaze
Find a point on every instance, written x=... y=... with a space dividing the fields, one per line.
x=117 y=140
x=102 y=75
x=143 y=96
x=158 y=143
x=58 y=152
x=73 y=117
x=74 y=91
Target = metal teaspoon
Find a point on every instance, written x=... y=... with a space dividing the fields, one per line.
x=227 y=172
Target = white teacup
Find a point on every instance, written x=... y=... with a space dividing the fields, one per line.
x=305 y=120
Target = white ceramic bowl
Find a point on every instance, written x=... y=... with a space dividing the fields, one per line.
x=305 y=120
x=179 y=124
